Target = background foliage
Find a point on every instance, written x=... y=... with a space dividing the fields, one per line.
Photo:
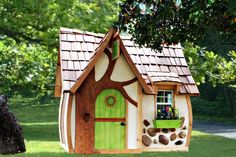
x=29 y=32
x=154 y=22
x=206 y=29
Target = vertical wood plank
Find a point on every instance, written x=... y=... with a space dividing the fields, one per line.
x=61 y=120
x=58 y=84
x=127 y=124
x=109 y=136
x=190 y=115
x=140 y=95
x=174 y=92
x=69 y=110
x=155 y=105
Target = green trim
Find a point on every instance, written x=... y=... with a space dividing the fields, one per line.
x=167 y=123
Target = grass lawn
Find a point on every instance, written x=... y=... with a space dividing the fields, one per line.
x=40 y=129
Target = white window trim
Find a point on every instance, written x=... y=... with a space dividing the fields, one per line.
x=161 y=103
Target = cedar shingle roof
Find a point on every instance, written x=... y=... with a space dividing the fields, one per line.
x=78 y=48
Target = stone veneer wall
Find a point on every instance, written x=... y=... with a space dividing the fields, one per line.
x=163 y=138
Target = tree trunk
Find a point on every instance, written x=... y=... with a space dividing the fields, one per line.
x=229 y=97
x=85 y=107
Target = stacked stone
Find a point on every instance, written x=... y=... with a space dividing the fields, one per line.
x=11 y=138
x=149 y=133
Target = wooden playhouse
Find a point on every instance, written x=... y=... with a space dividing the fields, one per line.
x=119 y=98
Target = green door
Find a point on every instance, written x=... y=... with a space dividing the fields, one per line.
x=110 y=120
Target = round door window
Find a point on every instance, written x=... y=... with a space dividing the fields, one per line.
x=110 y=100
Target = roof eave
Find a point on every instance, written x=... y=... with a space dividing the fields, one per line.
x=167 y=83
x=190 y=94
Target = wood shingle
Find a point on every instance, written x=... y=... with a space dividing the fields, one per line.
x=78 y=48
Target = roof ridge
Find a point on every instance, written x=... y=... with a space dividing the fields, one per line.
x=101 y=35
x=77 y=31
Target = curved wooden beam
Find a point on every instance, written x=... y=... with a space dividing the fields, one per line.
x=108 y=53
x=132 y=101
x=125 y=83
x=111 y=64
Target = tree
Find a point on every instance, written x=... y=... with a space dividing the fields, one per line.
x=89 y=98
x=209 y=24
x=214 y=70
x=29 y=37
x=39 y=21
x=207 y=66
x=154 y=22
x=26 y=66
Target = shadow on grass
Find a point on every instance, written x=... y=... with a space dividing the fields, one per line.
x=27 y=110
x=39 y=132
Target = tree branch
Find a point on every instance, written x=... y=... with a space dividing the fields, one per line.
x=132 y=101
x=228 y=43
x=111 y=64
x=42 y=28
x=125 y=83
x=108 y=53
x=17 y=35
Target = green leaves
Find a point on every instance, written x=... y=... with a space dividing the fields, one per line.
x=39 y=21
x=209 y=24
x=207 y=66
x=29 y=37
x=176 y=21
x=27 y=66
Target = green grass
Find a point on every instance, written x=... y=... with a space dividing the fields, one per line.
x=40 y=129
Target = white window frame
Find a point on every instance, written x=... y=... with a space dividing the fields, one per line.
x=169 y=104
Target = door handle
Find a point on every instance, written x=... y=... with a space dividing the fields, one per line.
x=122 y=124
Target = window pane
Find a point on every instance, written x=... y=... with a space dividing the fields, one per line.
x=168 y=93
x=160 y=93
x=169 y=96
x=166 y=99
x=160 y=100
x=164 y=102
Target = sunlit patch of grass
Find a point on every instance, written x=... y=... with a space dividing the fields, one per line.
x=199 y=133
x=40 y=123
x=43 y=146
